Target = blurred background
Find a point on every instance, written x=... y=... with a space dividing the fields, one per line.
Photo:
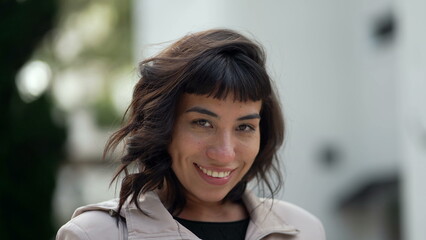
x=351 y=76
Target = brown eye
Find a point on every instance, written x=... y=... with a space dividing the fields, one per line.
x=245 y=128
x=202 y=123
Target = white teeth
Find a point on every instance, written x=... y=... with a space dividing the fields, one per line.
x=214 y=173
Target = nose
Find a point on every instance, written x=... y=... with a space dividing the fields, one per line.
x=222 y=148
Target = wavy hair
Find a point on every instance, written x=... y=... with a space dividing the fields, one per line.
x=214 y=63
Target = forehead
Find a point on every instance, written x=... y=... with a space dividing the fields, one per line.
x=219 y=105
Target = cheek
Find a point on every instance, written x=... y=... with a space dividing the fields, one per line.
x=252 y=156
x=185 y=145
x=251 y=151
x=252 y=145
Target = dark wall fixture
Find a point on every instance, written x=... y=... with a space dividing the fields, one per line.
x=373 y=208
x=385 y=27
x=330 y=155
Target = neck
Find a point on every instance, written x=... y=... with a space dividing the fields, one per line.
x=197 y=210
x=213 y=211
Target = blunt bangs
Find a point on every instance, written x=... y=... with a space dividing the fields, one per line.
x=218 y=75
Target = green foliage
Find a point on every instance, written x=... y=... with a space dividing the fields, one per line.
x=106 y=116
x=31 y=144
x=107 y=48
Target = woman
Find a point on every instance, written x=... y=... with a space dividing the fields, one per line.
x=203 y=122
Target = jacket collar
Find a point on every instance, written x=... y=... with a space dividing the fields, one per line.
x=263 y=219
x=157 y=223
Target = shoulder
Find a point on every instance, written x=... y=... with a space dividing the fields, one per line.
x=283 y=217
x=92 y=222
x=310 y=227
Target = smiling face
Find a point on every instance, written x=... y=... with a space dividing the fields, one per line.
x=214 y=144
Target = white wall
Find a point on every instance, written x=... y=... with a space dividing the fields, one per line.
x=337 y=87
x=412 y=106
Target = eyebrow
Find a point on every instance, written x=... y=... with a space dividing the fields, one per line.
x=210 y=113
x=202 y=111
x=250 y=116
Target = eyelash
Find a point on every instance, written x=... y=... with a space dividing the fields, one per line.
x=246 y=128
x=202 y=123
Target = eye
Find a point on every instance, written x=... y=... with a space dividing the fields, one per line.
x=245 y=128
x=202 y=123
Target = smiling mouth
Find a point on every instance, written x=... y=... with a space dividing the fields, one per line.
x=215 y=174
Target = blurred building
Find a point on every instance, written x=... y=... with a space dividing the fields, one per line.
x=351 y=76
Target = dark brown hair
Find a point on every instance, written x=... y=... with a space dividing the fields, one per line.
x=214 y=63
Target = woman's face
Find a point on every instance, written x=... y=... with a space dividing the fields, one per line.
x=214 y=144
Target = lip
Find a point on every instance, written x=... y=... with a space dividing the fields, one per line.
x=215 y=180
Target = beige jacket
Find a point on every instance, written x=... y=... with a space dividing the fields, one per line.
x=268 y=220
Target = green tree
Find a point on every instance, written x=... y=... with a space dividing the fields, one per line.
x=31 y=145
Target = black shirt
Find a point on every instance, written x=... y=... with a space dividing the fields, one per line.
x=217 y=230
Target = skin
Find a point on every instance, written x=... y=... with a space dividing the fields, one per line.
x=222 y=136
